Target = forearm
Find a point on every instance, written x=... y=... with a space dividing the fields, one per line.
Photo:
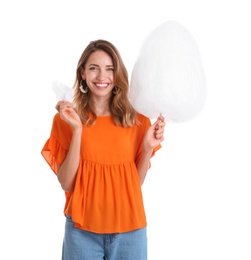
x=68 y=169
x=143 y=164
x=152 y=139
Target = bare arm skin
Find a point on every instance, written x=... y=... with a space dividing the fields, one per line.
x=68 y=169
x=153 y=137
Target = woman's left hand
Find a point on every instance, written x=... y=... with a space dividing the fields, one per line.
x=155 y=134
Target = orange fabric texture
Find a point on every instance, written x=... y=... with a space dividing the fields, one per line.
x=107 y=196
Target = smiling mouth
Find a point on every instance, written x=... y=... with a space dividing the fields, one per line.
x=102 y=86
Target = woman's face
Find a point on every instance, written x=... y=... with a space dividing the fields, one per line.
x=98 y=74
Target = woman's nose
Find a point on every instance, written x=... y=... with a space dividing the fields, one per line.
x=101 y=74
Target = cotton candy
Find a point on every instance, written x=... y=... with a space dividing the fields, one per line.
x=168 y=76
x=62 y=91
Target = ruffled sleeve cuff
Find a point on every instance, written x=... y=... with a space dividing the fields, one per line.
x=53 y=153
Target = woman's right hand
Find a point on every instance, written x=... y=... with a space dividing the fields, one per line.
x=68 y=114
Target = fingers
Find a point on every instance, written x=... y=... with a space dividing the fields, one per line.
x=159 y=136
x=59 y=104
x=62 y=104
x=160 y=123
x=160 y=128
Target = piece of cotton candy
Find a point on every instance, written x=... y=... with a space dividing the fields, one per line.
x=168 y=76
x=62 y=91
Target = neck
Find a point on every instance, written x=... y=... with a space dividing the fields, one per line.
x=102 y=107
x=102 y=112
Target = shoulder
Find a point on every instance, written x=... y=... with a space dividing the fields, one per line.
x=56 y=117
x=59 y=123
x=143 y=119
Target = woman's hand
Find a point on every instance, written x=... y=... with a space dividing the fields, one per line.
x=68 y=114
x=155 y=134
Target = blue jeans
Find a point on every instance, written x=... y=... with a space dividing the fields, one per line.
x=83 y=245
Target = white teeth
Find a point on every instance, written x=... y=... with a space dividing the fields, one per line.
x=102 y=85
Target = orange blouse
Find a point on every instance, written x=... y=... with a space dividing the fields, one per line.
x=107 y=196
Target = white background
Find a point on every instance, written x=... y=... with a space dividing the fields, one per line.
x=197 y=193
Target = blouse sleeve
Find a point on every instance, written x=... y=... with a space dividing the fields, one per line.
x=56 y=147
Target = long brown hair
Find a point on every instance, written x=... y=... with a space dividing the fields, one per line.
x=121 y=110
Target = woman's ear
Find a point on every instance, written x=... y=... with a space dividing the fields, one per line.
x=82 y=71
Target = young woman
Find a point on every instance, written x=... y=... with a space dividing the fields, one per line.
x=100 y=149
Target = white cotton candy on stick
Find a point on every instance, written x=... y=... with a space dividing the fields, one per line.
x=168 y=75
x=62 y=91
